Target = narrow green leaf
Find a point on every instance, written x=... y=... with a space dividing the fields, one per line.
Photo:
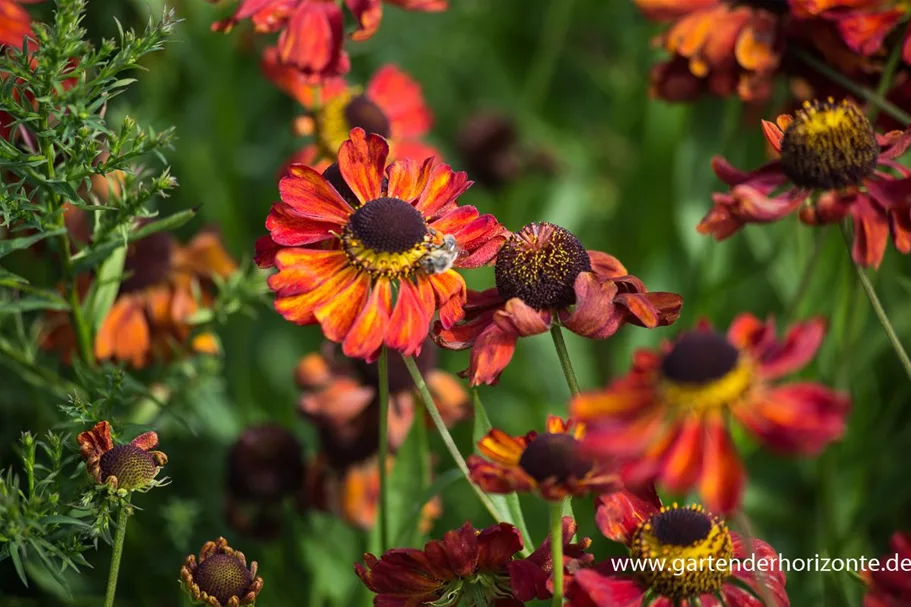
x=59 y=519
x=508 y=505
x=40 y=300
x=107 y=285
x=8 y=279
x=440 y=484
x=17 y=562
x=16 y=244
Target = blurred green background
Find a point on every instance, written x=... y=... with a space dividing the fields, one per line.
x=632 y=178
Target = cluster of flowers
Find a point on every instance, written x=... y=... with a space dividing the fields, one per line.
x=367 y=240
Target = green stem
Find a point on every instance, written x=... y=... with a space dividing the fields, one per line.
x=807 y=276
x=446 y=436
x=565 y=363
x=556 y=549
x=879 y=310
x=842 y=80
x=885 y=81
x=557 y=21
x=80 y=326
x=118 y=553
x=383 y=518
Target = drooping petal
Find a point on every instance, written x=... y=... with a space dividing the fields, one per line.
x=871 y=233
x=368 y=14
x=361 y=160
x=265 y=250
x=124 y=333
x=337 y=315
x=312 y=39
x=722 y=481
x=369 y=329
x=145 y=441
x=451 y=293
x=682 y=461
x=492 y=351
x=309 y=195
x=606 y=266
x=409 y=323
x=523 y=320
x=864 y=32
x=497 y=545
x=795 y=352
x=595 y=315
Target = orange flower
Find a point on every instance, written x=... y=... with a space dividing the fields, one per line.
x=551 y=463
x=340 y=398
x=312 y=31
x=718 y=47
x=543 y=272
x=834 y=164
x=669 y=418
x=15 y=22
x=157 y=298
x=863 y=24
x=392 y=106
x=128 y=467
x=352 y=493
x=377 y=229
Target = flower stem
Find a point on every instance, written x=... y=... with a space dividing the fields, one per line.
x=565 y=363
x=878 y=309
x=556 y=549
x=122 y=520
x=383 y=369
x=446 y=436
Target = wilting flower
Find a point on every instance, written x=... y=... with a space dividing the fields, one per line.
x=668 y=419
x=313 y=31
x=15 y=22
x=831 y=162
x=352 y=493
x=377 y=229
x=551 y=463
x=467 y=563
x=391 y=106
x=692 y=557
x=543 y=273
x=863 y=24
x=718 y=47
x=340 y=398
x=891 y=588
x=220 y=578
x=128 y=467
x=265 y=466
x=155 y=302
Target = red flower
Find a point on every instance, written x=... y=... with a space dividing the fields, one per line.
x=718 y=47
x=668 y=419
x=15 y=22
x=376 y=229
x=543 y=272
x=468 y=563
x=863 y=24
x=392 y=106
x=890 y=585
x=832 y=162
x=551 y=463
x=699 y=560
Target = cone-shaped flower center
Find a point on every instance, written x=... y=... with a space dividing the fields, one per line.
x=829 y=146
x=361 y=112
x=778 y=7
x=696 y=549
x=539 y=265
x=148 y=262
x=388 y=237
x=388 y=225
x=554 y=456
x=132 y=466
x=699 y=357
x=223 y=576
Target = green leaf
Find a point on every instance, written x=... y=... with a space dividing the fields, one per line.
x=39 y=300
x=60 y=519
x=17 y=562
x=405 y=483
x=10 y=280
x=440 y=484
x=107 y=285
x=16 y=244
x=508 y=505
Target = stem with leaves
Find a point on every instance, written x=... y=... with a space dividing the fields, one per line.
x=383 y=518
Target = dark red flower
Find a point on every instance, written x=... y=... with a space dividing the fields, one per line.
x=890 y=584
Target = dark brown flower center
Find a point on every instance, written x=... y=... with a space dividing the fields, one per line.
x=388 y=225
x=681 y=526
x=554 y=456
x=699 y=357
x=132 y=467
x=333 y=175
x=265 y=464
x=777 y=7
x=223 y=576
x=829 y=146
x=361 y=112
x=148 y=262
x=539 y=265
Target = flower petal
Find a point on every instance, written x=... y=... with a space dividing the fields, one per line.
x=307 y=194
x=300 y=308
x=492 y=351
x=368 y=14
x=302 y=270
x=722 y=479
x=337 y=315
x=369 y=329
x=409 y=324
x=290 y=229
x=620 y=514
x=682 y=461
x=408 y=178
x=442 y=191
x=500 y=447
x=798 y=349
x=361 y=160
x=595 y=315
x=400 y=98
